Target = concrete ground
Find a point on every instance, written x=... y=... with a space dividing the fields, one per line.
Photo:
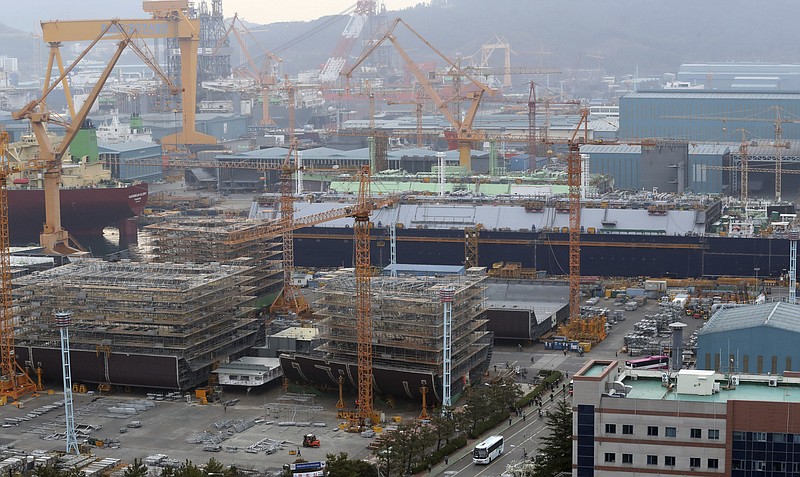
x=166 y=428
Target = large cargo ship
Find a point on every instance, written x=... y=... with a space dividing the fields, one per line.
x=90 y=199
x=85 y=212
x=407 y=335
x=630 y=237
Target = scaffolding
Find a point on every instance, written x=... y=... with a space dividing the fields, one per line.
x=196 y=313
x=407 y=319
x=225 y=241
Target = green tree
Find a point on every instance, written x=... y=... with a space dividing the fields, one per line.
x=340 y=465
x=405 y=448
x=187 y=469
x=167 y=472
x=556 y=454
x=214 y=467
x=444 y=426
x=137 y=469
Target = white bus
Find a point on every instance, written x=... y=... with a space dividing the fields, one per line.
x=488 y=450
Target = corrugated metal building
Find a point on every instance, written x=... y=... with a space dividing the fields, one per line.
x=223 y=126
x=742 y=76
x=670 y=167
x=751 y=339
x=706 y=116
x=118 y=154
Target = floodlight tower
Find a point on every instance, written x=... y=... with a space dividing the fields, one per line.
x=63 y=320
x=447 y=295
x=794 y=235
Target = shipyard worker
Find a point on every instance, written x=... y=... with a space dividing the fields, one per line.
x=519 y=347
x=509 y=421
x=447 y=460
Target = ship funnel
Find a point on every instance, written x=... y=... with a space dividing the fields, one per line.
x=677 y=344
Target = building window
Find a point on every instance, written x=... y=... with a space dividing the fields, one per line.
x=627 y=429
x=759 y=465
x=713 y=433
x=611 y=428
x=696 y=433
x=739 y=436
x=779 y=437
x=652 y=430
x=611 y=457
x=760 y=436
x=627 y=458
x=713 y=463
x=669 y=460
x=652 y=460
x=694 y=462
x=670 y=432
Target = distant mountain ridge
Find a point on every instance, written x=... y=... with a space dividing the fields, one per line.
x=615 y=35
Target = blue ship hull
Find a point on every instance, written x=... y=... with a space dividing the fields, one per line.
x=626 y=255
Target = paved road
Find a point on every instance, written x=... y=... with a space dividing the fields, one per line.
x=525 y=436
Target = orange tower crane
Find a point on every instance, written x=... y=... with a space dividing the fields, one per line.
x=363 y=299
x=418 y=103
x=574 y=184
x=291 y=299
x=14 y=380
x=264 y=77
x=779 y=143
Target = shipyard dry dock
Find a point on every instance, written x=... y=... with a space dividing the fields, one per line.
x=407 y=320
x=136 y=324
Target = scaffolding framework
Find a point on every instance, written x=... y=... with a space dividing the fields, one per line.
x=225 y=241
x=407 y=322
x=195 y=312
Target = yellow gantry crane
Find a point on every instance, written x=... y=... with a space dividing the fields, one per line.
x=168 y=21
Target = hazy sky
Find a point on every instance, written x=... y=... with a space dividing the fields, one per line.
x=27 y=15
x=260 y=11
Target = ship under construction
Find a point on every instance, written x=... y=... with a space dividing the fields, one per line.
x=145 y=325
x=408 y=335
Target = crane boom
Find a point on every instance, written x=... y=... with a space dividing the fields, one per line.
x=54 y=239
x=465 y=135
x=168 y=20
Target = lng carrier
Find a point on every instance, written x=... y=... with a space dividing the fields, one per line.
x=622 y=234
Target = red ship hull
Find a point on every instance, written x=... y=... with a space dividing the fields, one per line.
x=84 y=212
